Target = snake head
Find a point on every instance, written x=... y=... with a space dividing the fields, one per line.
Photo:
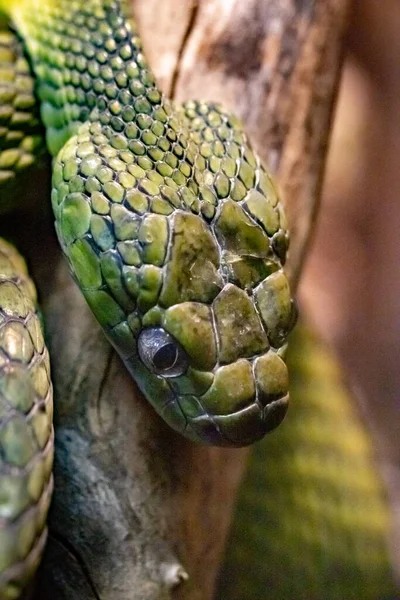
x=185 y=275
x=215 y=340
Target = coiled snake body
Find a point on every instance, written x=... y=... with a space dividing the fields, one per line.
x=173 y=231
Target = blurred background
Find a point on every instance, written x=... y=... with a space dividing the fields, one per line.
x=313 y=491
x=351 y=285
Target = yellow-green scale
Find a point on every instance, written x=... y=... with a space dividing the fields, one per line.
x=93 y=81
x=26 y=431
x=86 y=55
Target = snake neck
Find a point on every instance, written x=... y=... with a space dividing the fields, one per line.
x=89 y=65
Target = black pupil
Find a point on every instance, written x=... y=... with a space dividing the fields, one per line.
x=165 y=357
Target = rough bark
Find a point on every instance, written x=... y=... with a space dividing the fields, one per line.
x=136 y=507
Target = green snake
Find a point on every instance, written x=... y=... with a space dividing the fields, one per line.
x=172 y=229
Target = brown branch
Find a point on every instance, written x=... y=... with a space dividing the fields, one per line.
x=135 y=505
x=275 y=63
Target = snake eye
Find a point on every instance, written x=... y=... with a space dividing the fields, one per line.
x=161 y=353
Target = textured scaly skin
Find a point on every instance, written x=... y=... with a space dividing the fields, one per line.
x=312 y=518
x=171 y=226
x=21 y=131
x=26 y=435
x=26 y=430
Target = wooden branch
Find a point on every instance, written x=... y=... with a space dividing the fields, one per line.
x=136 y=507
x=275 y=63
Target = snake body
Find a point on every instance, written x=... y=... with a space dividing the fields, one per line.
x=26 y=431
x=172 y=229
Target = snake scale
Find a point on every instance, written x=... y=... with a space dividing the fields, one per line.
x=172 y=229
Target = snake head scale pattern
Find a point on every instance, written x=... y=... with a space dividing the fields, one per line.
x=171 y=226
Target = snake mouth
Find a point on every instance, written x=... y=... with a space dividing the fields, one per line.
x=246 y=400
x=242 y=427
x=235 y=405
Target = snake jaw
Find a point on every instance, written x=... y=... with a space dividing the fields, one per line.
x=243 y=427
x=234 y=388
x=197 y=418
x=247 y=399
